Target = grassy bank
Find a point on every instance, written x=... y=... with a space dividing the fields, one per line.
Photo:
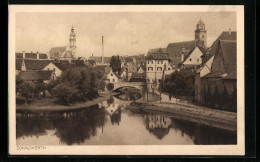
x=50 y=104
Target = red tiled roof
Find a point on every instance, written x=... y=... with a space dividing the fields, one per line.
x=18 y=64
x=63 y=66
x=232 y=36
x=57 y=49
x=175 y=49
x=35 y=75
x=43 y=56
x=229 y=51
x=156 y=50
x=36 y=64
x=31 y=55
x=158 y=56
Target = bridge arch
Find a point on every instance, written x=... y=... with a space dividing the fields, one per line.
x=137 y=85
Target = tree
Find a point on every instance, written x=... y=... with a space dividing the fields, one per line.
x=27 y=90
x=110 y=86
x=102 y=85
x=52 y=84
x=64 y=92
x=18 y=81
x=39 y=87
x=80 y=79
x=115 y=63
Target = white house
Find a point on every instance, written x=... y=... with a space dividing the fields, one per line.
x=58 y=67
x=52 y=66
x=110 y=76
x=155 y=64
x=111 y=109
x=193 y=58
x=140 y=70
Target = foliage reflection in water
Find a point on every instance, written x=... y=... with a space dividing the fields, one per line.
x=111 y=123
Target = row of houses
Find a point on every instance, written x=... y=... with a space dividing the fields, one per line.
x=43 y=70
x=214 y=67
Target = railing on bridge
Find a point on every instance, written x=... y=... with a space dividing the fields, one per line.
x=138 y=85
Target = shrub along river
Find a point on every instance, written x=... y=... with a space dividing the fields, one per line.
x=112 y=123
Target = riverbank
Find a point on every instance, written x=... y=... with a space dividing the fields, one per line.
x=210 y=117
x=187 y=111
x=47 y=104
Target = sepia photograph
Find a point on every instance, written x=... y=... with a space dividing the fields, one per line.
x=126 y=80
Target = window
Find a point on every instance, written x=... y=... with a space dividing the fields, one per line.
x=159 y=68
x=198 y=60
x=152 y=62
x=190 y=59
x=150 y=69
x=169 y=69
x=147 y=62
x=111 y=74
x=158 y=61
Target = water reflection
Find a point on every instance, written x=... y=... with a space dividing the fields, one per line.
x=129 y=96
x=109 y=122
x=158 y=125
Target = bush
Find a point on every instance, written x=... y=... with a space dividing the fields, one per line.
x=64 y=92
x=27 y=90
x=110 y=86
x=102 y=85
x=181 y=83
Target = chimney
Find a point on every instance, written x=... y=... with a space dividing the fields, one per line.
x=229 y=31
x=37 y=55
x=23 y=54
x=102 y=58
x=48 y=55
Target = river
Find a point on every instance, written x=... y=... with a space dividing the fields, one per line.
x=112 y=123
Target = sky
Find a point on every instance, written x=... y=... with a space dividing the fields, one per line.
x=125 y=33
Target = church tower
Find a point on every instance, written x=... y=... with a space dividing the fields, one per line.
x=201 y=34
x=72 y=42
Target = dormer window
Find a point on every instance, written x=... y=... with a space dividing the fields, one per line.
x=111 y=74
x=190 y=59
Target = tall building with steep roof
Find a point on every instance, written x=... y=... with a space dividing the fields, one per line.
x=177 y=49
x=65 y=52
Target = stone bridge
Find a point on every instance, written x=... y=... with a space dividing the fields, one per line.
x=137 y=85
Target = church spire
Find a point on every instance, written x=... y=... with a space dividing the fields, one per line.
x=72 y=41
x=201 y=34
